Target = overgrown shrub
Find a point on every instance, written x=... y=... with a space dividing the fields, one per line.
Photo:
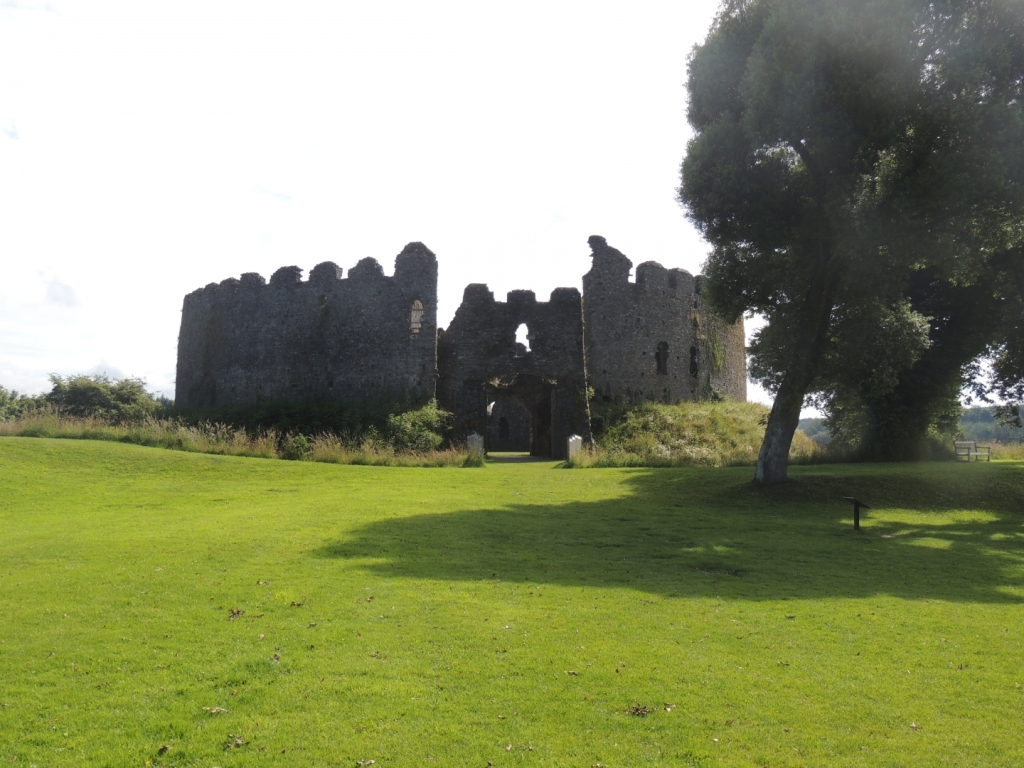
x=424 y=429
x=228 y=440
x=704 y=434
x=349 y=418
x=14 y=405
x=100 y=397
x=297 y=447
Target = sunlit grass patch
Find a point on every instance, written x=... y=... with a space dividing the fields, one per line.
x=158 y=606
x=931 y=519
x=929 y=541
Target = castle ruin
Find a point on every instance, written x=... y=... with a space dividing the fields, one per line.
x=335 y=338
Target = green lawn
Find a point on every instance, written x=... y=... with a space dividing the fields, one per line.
x=322 y=615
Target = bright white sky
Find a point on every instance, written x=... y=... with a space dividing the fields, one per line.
x=149 y=148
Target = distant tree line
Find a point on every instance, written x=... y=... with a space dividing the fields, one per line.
x=980 y=423
x=85 y=396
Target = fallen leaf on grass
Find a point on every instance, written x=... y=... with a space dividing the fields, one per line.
x=508 y=748
x=369 y=599
x=262 y=583
x=234 y=742
x=669 y=707
x=312 y=624
x=366 y=762
x=214 y=710
x=572 y=673
x=915 y=726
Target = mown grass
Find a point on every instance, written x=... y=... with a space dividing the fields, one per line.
x=170 y=608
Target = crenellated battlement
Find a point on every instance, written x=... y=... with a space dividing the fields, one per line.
x=338 y=336
x=415 y=262
x=481 y=363
x=330 y=337
x=654 y=339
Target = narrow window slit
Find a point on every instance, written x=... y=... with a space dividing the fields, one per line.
x=662 y=357
x=416 y=317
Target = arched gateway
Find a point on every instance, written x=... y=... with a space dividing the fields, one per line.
x=480 y=364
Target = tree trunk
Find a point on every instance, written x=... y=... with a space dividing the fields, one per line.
x=773 y=459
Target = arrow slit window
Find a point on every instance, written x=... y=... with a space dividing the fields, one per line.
x=416 y=317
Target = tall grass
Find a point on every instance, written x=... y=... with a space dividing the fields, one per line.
x=230 y=441
x=712 y=434
x=1007 y=451
x=332 y=449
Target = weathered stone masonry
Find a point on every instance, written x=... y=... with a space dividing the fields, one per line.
x=482 y=364
x=654 y=340
x=245 y=341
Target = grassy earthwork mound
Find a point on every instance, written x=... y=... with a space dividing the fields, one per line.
x=167 y=608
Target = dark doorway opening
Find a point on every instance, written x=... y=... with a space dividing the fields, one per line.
x=509 y=425
x=524 y=402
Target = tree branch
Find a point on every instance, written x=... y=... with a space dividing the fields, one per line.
x=808 y=160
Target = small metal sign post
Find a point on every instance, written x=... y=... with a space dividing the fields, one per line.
x=856 y=510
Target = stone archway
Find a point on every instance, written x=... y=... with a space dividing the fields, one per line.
x=509 y=425
x=534 y=395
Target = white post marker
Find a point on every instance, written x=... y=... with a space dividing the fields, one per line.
x=475 y=443
x=573 y=446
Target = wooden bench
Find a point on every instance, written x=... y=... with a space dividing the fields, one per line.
x=969 y=449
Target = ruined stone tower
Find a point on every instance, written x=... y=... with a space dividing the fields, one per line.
x=244 y=342
x=654 y=340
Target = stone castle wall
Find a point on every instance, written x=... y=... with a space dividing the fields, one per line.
x=654 y=339
x=328 y=338
x=481 y=363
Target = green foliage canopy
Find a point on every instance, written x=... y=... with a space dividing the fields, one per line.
x=83 y=396
x=14 y=405
x=841 y=148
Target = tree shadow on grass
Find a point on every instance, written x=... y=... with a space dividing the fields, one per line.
x=936 y=532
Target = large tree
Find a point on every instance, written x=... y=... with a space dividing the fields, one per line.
x=842 y=149
x=968 y=321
